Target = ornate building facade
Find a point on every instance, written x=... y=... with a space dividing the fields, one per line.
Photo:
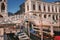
x=3 y=8
x=43 y=16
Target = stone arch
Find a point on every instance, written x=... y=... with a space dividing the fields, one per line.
x=2 y=7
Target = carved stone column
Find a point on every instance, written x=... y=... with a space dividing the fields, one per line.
x=50 y=8
x=46 y=8
x=37 y=9
x=42 y=7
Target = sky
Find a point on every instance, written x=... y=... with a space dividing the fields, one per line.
x=13 y=5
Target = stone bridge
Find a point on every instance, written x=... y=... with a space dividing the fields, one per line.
x=17 y=19
x=7 y=23
x=21 y=18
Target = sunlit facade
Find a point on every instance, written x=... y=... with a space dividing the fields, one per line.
x=47 y=15
x=42 y=17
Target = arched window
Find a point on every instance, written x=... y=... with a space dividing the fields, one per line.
x=45 y=16
x=56 y=17
x=53 y=17
x=2 y=7
x=49 y=15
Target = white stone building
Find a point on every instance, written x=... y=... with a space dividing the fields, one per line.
x=42 y=14
x=47 y=13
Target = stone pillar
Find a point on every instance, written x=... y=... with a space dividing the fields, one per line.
x=54 y=9
x=57 y=9
x=46 y=8
x=42 y=7
x=1 y=33
x=47 y=16
x=50 y=8
x=55 y=17
x=30 y=6
x=51 y=17
x=25 y=7
x=43 y=16
x=37 y=8
x=6 y=8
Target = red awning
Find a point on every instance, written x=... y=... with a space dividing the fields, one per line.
x=57 y=38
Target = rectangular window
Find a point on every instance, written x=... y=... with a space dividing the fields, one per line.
x=39 y=7
x=27 y=7
x=33 y=7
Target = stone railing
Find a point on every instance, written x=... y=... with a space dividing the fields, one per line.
x=12 y=19
x=19 y=18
